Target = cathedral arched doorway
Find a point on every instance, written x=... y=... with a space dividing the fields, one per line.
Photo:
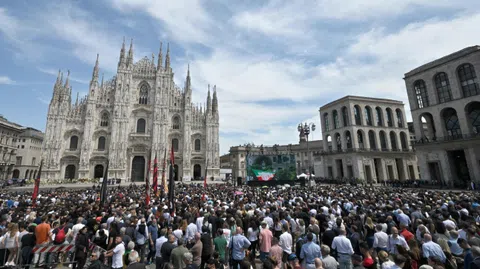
x=70 y=171
x=197 y=172
x=138 y=168
x=16 y=173
x=175 y=176
x=98 y=171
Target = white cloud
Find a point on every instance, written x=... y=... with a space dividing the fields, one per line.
x=184 y=20
x=6 y=80
x=53 y=72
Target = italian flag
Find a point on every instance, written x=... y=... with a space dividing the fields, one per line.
x=263 y=175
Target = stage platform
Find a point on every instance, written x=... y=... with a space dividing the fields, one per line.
x=259 y=183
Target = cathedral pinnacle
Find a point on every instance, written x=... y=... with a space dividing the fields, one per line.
x=67 y=81
x=167 y=58
x=130 y=54
x=215 y=101
x=95 y=72
x=59 y=82
x=101 y=84
x=188 y=83
x=122 y=54
x=76 y=101
x=209 y=100
x=160 y=57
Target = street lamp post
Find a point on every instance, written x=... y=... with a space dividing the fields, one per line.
x=305 y=129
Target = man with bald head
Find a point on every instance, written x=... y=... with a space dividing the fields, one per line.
x=394 y=240
x=431 y=249
x=238 y=244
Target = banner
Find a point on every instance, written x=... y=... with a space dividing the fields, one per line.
x=266 y=167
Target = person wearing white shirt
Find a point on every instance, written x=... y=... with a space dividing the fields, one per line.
x=199 y=222
x=117 y=253
x=286 y=242
x=344 y=249
x=380 y=239
x=77 y=227
x=394 y=240
x=190 y=234
x=158 y=246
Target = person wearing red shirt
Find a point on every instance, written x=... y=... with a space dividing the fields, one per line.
x=406 y=233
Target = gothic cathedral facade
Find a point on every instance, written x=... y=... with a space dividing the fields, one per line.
x=128 y=120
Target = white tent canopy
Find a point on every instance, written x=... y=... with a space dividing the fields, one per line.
x=302 y=175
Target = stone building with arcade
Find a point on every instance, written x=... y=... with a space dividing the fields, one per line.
x=128 y=120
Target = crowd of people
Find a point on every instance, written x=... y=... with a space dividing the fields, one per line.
x=222 y=226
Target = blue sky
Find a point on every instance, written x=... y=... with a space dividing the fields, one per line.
x=274 y=62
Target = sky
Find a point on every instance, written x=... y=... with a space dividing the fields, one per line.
x=275 y=63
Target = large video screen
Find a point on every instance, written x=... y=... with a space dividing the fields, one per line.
x=271 y=167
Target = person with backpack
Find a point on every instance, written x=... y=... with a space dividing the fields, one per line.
x=59 y=235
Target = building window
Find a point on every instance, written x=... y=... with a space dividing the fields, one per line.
x=101 y=143
x=468 y=80
x=23 y=146
x=197 y=145
x=399 y=118
x=372 y=139
x=393 y=140
x=175 y=144
x=141 y=124
x=143 y=98
x=336 y=123
x=383 y=140
x=326 y=123
x=176 y=123
x=19 y=160
x=389 y=117
x=452 y=125
x=358 y=117
x=473 y=111
x=338 y=140
x=379 y=113
x=345 y=116
x=104 y=120
x=360 y=139
x=421 y=93
x=443 y=88
x=34 y=161
x=368 y=116
x=73 y=142
x=348 y=139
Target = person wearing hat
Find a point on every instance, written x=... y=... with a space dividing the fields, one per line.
x=309 y=252
x=293 y=261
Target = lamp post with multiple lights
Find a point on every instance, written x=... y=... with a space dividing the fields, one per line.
x=306 y=129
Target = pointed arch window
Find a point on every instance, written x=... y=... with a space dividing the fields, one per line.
x=143 y=98
x=101 y=143
x=468 y=80
x=176 y=123
x=198 y=145
x=175 y=144
x=74 y=142
x=421 y=93
x=141 y=126
x=443 y=88
x=104 y=120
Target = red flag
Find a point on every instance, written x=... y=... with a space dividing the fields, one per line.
x=37 y=185
x=155 y=176
x=164 y=181
x=147 y=186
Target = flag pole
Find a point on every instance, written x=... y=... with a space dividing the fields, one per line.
x=103 y=188
x=36 y=188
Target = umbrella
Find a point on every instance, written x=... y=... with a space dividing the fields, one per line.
x=238 y=193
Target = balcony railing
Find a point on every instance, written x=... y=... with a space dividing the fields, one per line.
x=445 y=139
x=359 y=150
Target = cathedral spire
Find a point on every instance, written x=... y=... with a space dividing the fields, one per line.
x=130 y=54
x=122 y=54
x=160 y=57
x=95 y=73
x=215 y=101
x=101 y=84
x=167 y=58
x=209 y=100
x=67 y=81
x=59 y=82
x=76 y=101
x=188 y=83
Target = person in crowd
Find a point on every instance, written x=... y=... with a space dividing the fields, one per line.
x=344 y=249
x=177 y=258
x=134 y=261
x=196 y=250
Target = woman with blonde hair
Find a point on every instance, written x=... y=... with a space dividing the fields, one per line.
x=450 y=263
x=384 y=260
x=369 y=231
x=11 y=243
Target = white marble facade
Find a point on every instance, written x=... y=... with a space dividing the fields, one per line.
x=128 y=120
